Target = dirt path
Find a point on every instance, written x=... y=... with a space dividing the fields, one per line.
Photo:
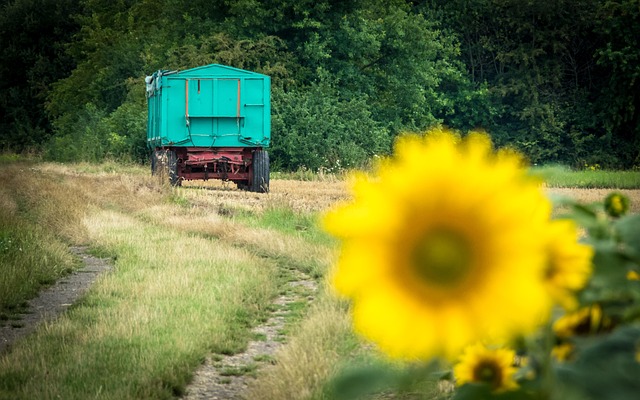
x=228 y=377
x=55 y=299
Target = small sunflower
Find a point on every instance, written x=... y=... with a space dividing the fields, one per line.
x=445 y=245
x=616 y=204
x=569 y=265
x=563 y=351
x=479 y=364
x=585 y=321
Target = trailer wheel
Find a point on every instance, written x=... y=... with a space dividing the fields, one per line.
x=172 y=168
x=153 y=162
x=260 y=177
x=164 y=164
x=159 y=163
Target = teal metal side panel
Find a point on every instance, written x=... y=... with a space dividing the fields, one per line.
x=209 y=106
x=174 y=122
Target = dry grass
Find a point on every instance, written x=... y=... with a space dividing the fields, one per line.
x=597 y=195
x=300 y=196
x=144 y=327
x=289 y=251
x=48 y=199
x=317 y=196
x=129 y=191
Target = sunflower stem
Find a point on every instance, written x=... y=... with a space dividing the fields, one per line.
x=548 y=377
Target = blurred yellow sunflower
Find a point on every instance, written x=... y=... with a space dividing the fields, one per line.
x=585 y=321
x=563 y=351
x=445 y=245
x=616 y=204
x=480 y=364
x=633 y=276
x=569 y=265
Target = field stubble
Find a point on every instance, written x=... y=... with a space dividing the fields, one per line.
x=300 y=196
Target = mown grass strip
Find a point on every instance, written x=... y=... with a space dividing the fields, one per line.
x=289 y=248
x=140 y=332
x=562 y=177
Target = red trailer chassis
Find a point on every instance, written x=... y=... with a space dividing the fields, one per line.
x=248 y=167
x=230 y=163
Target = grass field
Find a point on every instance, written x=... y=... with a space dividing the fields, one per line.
x=560 y=176
x=195 y=268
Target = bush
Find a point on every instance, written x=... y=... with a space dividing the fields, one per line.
x=316 y=129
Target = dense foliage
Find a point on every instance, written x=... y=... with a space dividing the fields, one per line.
x=559 y=80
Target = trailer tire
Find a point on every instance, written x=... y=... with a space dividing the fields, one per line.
x=172 y=168
x=154 y=163
x=260 y=177
x=159 y=164
x=164 y=164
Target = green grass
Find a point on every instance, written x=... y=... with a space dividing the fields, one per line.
x=113 y=167
x=36 y=228
x=285 y=220
x=555 y=175
x=305 y=174
x=29 y=259
x=10 y=158
x=288 y=239
x=173 y=297
x=264 y=358
x=560 y=176
x=249 y=370
x=282 y=218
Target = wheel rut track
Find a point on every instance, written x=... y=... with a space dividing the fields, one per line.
x=212 y=379
x=56 y=299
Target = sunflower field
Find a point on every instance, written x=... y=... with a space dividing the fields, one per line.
x=458 y=266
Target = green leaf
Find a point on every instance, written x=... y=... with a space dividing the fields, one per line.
x=587 y=215
x=473 y=391
x=628 y=229
x=610 y=263
x=358 y=382
x=482 y=391
x=607 y=368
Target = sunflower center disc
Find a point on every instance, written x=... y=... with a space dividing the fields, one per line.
x=489 y=373
x=442 y=258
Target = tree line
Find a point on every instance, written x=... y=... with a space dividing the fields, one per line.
x=558 y=80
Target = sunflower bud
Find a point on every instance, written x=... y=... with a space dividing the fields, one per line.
x=616 y=204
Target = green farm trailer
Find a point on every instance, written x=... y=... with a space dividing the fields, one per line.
x=210 y=122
